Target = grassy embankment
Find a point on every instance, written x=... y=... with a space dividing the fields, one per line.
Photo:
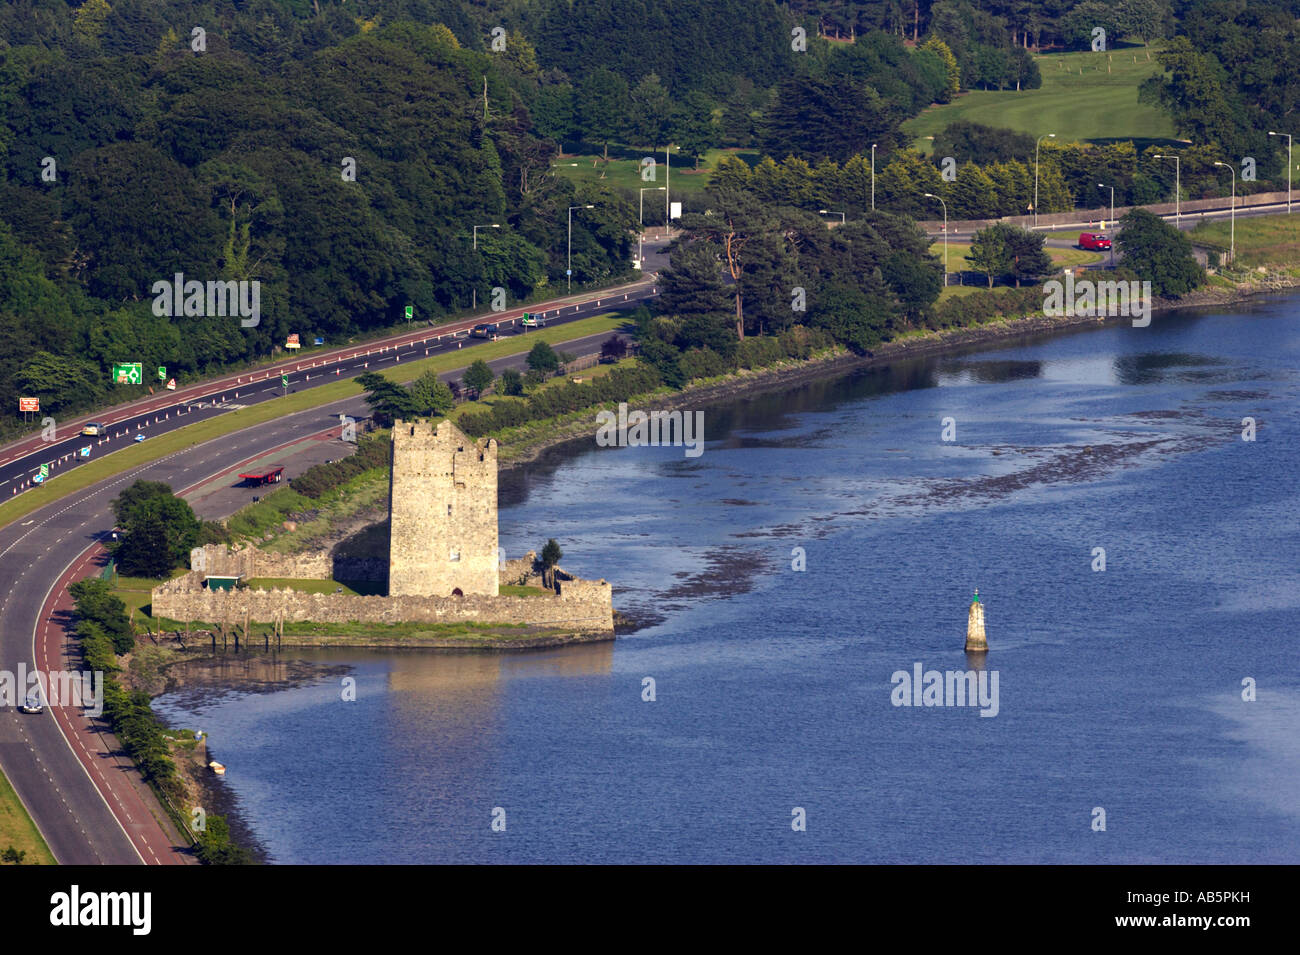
x=1112 y=108
x=1262 y=241
x=163 y=445
x=17 y=829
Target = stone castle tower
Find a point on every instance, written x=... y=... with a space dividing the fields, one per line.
x=443 y=501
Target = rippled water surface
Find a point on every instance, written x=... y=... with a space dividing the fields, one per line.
x=1119 y=689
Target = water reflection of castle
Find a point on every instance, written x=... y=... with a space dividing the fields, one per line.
x=476 y=676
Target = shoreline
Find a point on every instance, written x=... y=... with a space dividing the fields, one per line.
x=785 y=374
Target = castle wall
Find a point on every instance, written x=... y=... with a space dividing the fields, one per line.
x=579 y=606
x=443 y=501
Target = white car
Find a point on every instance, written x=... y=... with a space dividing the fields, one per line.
x=33 y=705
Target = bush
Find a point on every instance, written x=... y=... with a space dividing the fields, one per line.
x=512 y=383
x=372 y=452
x=703 y=363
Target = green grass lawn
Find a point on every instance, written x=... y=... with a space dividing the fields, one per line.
x=164 y=444
x=17 y=828
x=308 y=586
x=959 y=256
x=522 y=590
x=1261 y=240
x=625 y=172
x=1091 y=105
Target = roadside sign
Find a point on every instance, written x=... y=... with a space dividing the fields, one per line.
x=29 y=404
x=292 y=342
x=38 y=478
x=318 y=341
x=284 y=380
x=171 y=385
x=162 y=373
x=410 y=312
x=85 y=452
x=128 y=373
x=675 y=210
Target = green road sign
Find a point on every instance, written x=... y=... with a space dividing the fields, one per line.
x=284 y=380
x=45 y=471
x=162 y=373
x=410 y=311
x=128 y=373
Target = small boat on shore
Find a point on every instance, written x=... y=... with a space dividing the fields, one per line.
x=217 y=768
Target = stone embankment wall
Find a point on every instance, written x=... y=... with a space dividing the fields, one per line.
x=580 y=605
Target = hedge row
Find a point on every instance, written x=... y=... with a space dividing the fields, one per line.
x=316 y=481
x=101 y=620
x=619 y=385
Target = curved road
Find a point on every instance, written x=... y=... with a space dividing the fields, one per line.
x=87 y=801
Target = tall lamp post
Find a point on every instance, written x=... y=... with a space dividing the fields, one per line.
x=1232 y=247
x=873 y=177
x=490 y=225
x=1102 y=185
x=829 y=212
x=1036 y=144
x=568 y=271
x=641 y=220
x=1178 y=188
x=1288 y=169
x=931 y=195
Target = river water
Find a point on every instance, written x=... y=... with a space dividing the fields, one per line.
x=1118 y=690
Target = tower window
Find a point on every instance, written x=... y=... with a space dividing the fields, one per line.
x=449 y=510
x=455 y=555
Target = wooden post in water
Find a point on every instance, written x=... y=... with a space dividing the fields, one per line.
x=975 y=639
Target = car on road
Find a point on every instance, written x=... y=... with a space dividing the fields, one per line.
x=138 y=438
x=93 y=428
x=487 y=330
x=33 y=704
x=1094 y=241
x=532 y=321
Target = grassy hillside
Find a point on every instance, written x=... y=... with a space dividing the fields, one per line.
x=1092 y=104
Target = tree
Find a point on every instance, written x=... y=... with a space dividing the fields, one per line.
x=990 y=253
x=602 y=104
x=512 y=383
x=1158 y=253
x=388 y=400
x=542 y=359
x=651 y=111
x=160 y=530
x=550 y=556
x=692 y=285
x=431 y=396
x=953 y=86
x=1029 y=260
x=479 y=377
x=613 y=348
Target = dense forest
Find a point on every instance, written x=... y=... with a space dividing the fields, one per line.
x=340 y=152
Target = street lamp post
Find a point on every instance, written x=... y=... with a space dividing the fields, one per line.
x=873 y=177
x=568 y=271
x=490 y=225
x=1232 y=246
x=668 y=176
x=1178 y=188
x=1288 y=169
x=931 y=195
x=1102 y=185
x=1036 y=144
x=641 y=219
x=828 y=212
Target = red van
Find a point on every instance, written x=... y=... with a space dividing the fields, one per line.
x=1094 y=241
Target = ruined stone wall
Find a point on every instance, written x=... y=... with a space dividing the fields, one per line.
x=580 y=606
x=443 y=502
x=217 y=559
